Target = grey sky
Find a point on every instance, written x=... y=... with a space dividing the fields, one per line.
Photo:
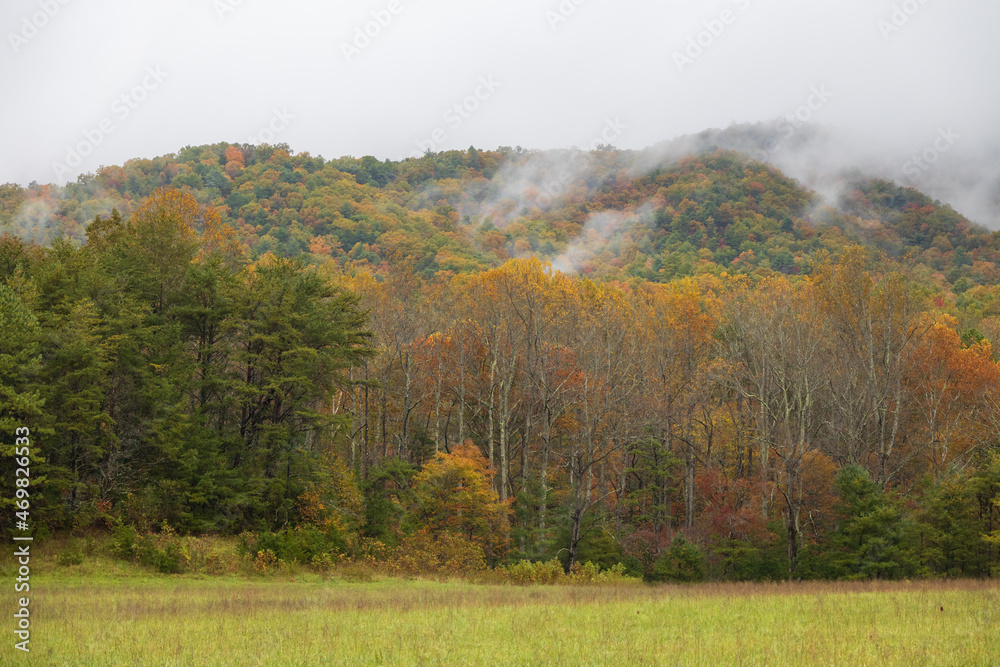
x=204 y=71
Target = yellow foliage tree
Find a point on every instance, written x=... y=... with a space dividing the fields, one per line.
x=453 y=494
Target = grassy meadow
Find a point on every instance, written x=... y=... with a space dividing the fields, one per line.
x=159 y=620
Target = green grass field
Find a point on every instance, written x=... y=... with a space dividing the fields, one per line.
x=140 y=620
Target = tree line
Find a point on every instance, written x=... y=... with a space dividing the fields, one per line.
x=838 y=424
x=739 y=413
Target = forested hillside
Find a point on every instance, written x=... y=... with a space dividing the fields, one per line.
x=694 y=368
x=605 y=214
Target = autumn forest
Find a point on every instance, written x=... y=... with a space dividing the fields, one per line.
x=674 y=369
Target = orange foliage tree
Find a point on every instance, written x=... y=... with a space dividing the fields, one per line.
x=453 y=494
x=949 y=386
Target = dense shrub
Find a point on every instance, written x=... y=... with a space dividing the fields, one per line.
x=681 y=561
x=528 y=572
x=751 y=560
x=442 y=553
x=123 y=542
x=303 y=544
x=552 y=572
x=164 y=551
x=73 y=555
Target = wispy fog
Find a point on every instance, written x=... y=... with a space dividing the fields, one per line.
x=905 y=89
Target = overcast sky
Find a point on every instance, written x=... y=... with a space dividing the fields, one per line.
x=117 y=79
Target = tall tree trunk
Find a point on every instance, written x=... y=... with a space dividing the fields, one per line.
x=792 y=520
x=461 y=390
x=543 y=478
x=525 y=453
x=437 y=398
x=491 y=409
x=765 y=449
x=574 y=541
x=689 y=477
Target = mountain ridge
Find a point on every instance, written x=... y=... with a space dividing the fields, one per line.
x=653 y=214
